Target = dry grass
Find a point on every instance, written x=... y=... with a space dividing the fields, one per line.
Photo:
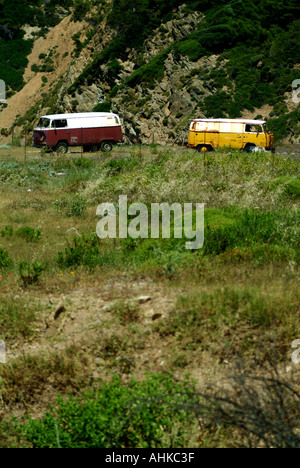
x=203 y=312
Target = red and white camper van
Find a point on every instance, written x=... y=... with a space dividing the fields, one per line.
x=92 y=130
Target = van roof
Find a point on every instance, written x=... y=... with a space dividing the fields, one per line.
x=78 y=115
x=246 y=121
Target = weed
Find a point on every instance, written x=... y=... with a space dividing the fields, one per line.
x=84 y=251
x=126 y=312
x=5 y=261
x=30 y=273
x=28 y=376
x=7 y=232
x=29 y=234
x=252 y=231
x=74 y=207
x=17 y=319
x=230 y=312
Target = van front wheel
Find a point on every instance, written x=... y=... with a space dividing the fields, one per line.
x=249 y=148
x=61 y=148
x=106 y=146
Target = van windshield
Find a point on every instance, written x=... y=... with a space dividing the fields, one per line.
x=44 y=123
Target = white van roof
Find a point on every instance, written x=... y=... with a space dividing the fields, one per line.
x=246 y=121
x=81 y=115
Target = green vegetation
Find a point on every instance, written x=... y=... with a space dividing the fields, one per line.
x=5 y=261
x=17 y=318
x=13 y=48
x=149 y=73
x=110 y=354
x=140 y=414
x=257 y=44
x=285 y=124
x=30 y=273
x=102 y=335
x=29 y=234
x=257 y=41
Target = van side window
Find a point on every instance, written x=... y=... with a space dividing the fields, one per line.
x=253 y=128
x=59 y=123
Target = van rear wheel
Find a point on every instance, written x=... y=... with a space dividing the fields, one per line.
x=106 y=146
x=61 y=147
x=204 y=148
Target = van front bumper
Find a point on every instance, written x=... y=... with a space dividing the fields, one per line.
x=39 y=145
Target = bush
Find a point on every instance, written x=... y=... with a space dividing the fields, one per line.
x=253 y=229
x=81 y=8
x=150 y=413
x=75 y=206
x=284 y=124
x=7 y=232
x=29 y=234
x=5 y=261
x=84 y=251
x=30 y=273
x=154 y=70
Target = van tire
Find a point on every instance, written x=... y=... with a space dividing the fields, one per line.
x=204 y=148
x=61 y=147
x=106 y=146
x=249 y=148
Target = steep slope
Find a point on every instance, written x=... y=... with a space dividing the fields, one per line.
x=54 y=50
x=158 y=66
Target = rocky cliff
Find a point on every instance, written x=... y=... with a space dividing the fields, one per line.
x=155 y=88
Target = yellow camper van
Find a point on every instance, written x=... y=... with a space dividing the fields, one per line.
x=207 y=134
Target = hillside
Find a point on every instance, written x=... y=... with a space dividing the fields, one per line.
x=156 y=65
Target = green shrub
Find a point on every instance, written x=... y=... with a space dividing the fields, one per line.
x=29 y=234
x=75 y=206
x=83 y=251
x=5 y=261
x=150 y=413
x=30 y=273
x=81 y=8
x=254 y=228
x=281 y=125
x=290 y=184
x=153 y=70
x=102 y=107
x=83 y=163
x=7 y=232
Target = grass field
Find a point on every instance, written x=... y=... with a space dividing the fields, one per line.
x=173 y=348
